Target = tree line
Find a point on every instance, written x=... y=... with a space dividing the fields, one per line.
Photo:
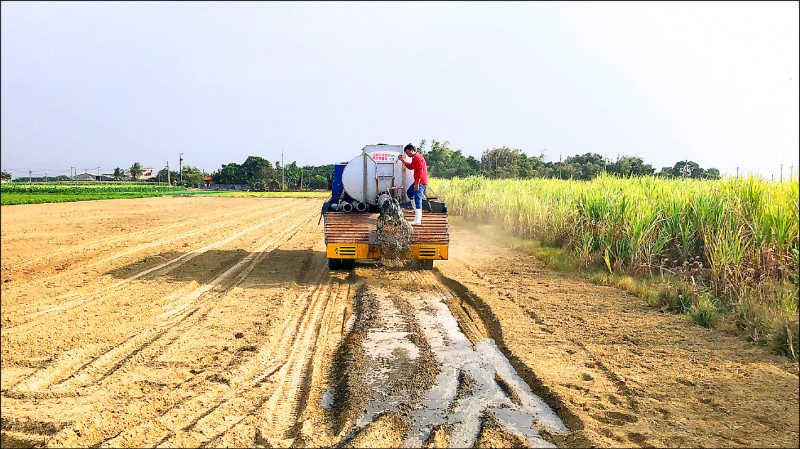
x=505 y=162
x=256 y=172
x=260 y=174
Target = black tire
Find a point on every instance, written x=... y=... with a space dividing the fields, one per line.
x=426 y=264
x=348 y=264
x=334 y=264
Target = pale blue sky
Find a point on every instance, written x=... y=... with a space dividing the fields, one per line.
x=109 y=84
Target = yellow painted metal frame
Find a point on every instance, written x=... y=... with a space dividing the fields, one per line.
x=367 y=251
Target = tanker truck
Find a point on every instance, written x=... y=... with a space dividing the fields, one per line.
x=362 y=190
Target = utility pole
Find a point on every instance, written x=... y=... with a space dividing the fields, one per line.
x=559 y=166
x=283 y=170
x=45 y=176
x=737 y=171
x=301 y=178
x=168 y=181
x=180 y=165
x=29 y=176
x=781 y=171
x=99 y=178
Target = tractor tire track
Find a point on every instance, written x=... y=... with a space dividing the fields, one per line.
x=194 y=423
x=142 y=247
x=274 y=412
x=46 y=384
x=158 y=269
x=79 y=248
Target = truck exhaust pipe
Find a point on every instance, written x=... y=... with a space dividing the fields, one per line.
x=346 y=207
x=361 y=207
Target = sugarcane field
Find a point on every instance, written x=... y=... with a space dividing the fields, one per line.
x=203 y=321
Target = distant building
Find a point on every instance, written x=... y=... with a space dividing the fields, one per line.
x=147 y=173
x=86 y=177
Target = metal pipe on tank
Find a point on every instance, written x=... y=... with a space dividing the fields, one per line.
x=334 y=207
x=346 y=207
x=361 y=207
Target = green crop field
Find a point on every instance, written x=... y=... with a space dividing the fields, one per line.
x=54 y=192
x=733 y=241
x=288 y=194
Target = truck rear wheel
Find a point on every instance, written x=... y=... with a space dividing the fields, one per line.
x=426 y=264
x=334 y=264
x=348 y=264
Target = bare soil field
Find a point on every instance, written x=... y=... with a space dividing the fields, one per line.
x=194 y=322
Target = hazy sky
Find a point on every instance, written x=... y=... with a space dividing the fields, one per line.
x=109 y=84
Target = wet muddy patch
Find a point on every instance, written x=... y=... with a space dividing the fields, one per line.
x=406 y=357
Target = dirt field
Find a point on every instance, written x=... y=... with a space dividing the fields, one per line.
x=215 y=322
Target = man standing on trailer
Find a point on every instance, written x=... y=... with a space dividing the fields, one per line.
x=417 y=190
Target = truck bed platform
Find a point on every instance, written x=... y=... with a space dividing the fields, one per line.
x=353 y=235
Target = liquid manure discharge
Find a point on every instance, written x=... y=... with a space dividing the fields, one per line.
x=394 y=234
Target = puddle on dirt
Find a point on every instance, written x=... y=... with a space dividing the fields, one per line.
x=489 y=383
x=518 y=409
x=393 y=358
x=326 y=402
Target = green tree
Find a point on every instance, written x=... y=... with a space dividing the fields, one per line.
x=135 y=171
x=688 y=169
x=317 y=176
x=258 y=173
x=446 y=163
x=292 y=175
x=666 y=172
x=162 y=176
x=531 y=166
x=254 y=167
x=626 y=166
x=712 y=173
x=317 y=182
x=5 y=175
x=118 y=174
x=501 y=162
x=192 y=176
x=584 y=166
x=232 y=173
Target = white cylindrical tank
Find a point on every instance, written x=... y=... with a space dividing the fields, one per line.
x=383 y=169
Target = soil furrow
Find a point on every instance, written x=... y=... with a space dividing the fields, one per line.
x=112 y=358
x=233 y=381
x=160 y=230
x=158 y=269
x=141 y=247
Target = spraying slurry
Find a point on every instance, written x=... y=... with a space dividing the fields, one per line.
x=394 y=233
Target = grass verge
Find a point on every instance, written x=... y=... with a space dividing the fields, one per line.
x=765 y=315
